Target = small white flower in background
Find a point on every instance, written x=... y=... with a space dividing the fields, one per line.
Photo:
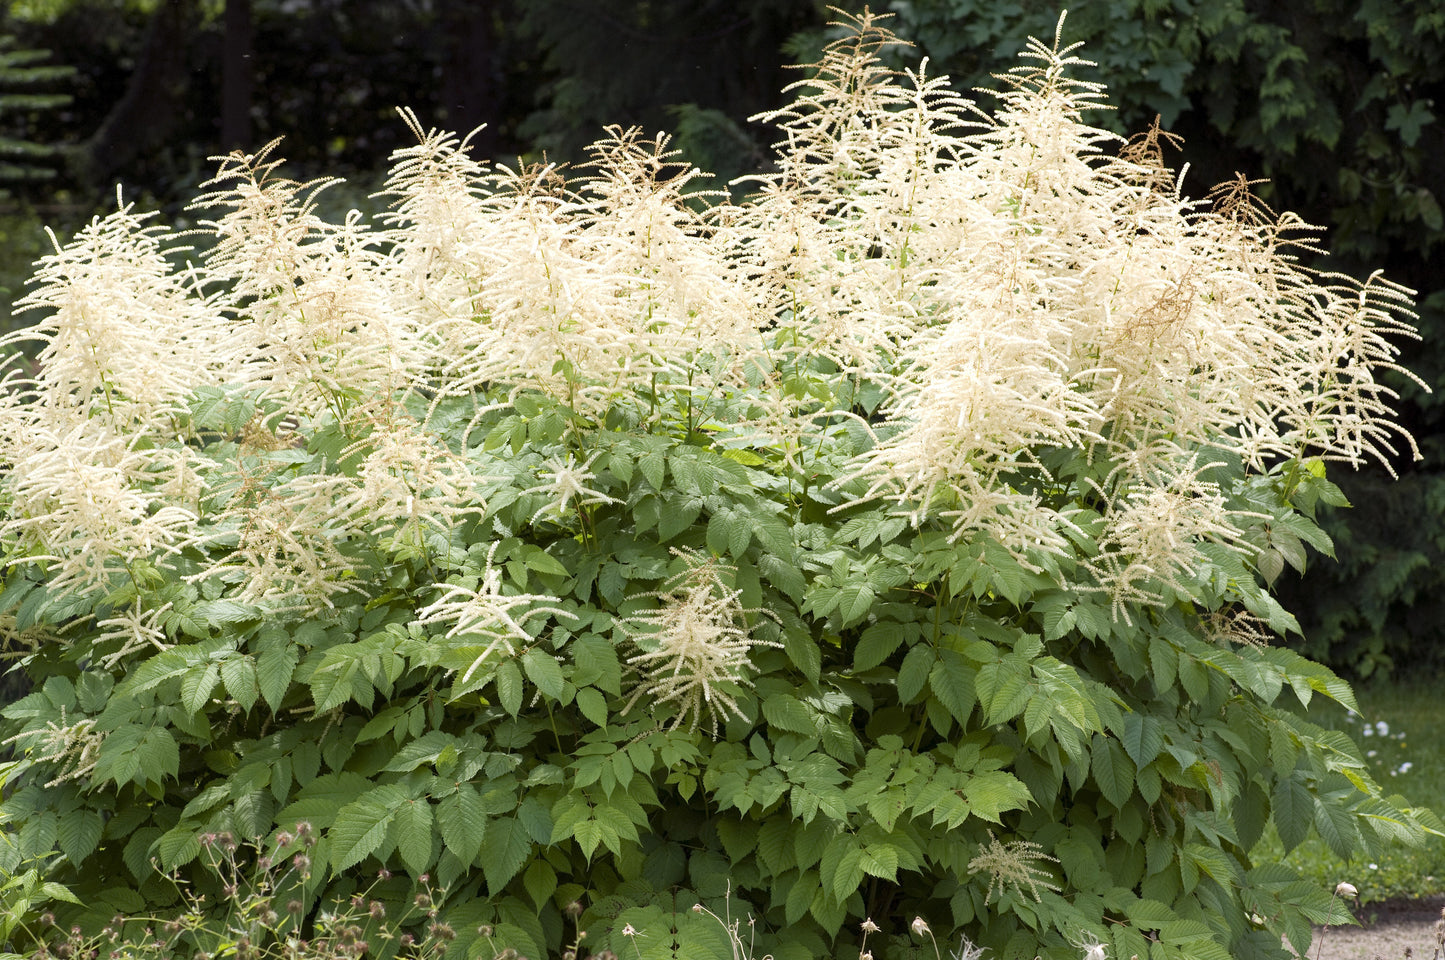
x=1405 y=767
x=1345 y=889
x=1382 y=728
x=1371 y=753
x=1092 y=947
x=1373 y=866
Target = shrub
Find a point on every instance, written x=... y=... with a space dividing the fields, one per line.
x=894 y=545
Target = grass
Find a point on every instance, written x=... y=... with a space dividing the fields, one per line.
x=1401 y=729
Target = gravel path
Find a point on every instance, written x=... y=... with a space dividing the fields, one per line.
x=1392 y=930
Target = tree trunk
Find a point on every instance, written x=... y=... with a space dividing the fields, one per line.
x=470 y=70
x=236 y=77
x=146 y=113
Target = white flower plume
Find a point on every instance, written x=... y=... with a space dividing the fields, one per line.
x=694 y=646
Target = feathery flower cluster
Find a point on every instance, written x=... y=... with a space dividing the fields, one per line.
x=1014 y=865
x=694 y=646
x=488 y=614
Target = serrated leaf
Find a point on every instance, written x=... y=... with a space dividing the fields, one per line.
x=412 y=829
x=462 y=817
x=362 y=825
x=197 y=684
x=1142 y=738
x=951 y=681
x=913 y=674
x=990 y=794
x=508 y=847
x=274 y=668
x=775 y=845
x=800 y=896
x=880 y=860
x=788 y=713
x=225 y=611
x=803 y=651
x=1292 y=806
x=593 y=705
x=1113 y=770
x=239 y=675
x=178 y=846
x=854 y=602
x=158 y=754
x=677 y=516
x=543 y=670
x=58 y=891
x=509 y=686
x=876 y=645
x=653 y=467
x=1336 y=826
x=597 y=664
x=849 y=875
x=540 y=881
x=78 y=833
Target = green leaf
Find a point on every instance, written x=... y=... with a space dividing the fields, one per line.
x=543 y=670
x=274 y=667
x=914 y=673
x=462 y=818
x=540 y=880
x=853 y=603
x=78 y=833
x=1142 y=738
x=197 y=684
x=1293 y=808
x=1113 y=770
x=508 y=847
x=788 y=713
x=593 y=705
x=412 y=829
x=178 y=846
x=877 y=644
x=951 y=681
x=158 y=754
x=803 y=651
x=509 y=686
x=842 y=866
x=239 y=675
x=1336 y=826
x=362 y=825
x=653 y=467
x=991 y=794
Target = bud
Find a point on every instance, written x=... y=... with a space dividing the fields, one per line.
x=1343 y=889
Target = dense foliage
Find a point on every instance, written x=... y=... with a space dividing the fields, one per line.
x=895 y=544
